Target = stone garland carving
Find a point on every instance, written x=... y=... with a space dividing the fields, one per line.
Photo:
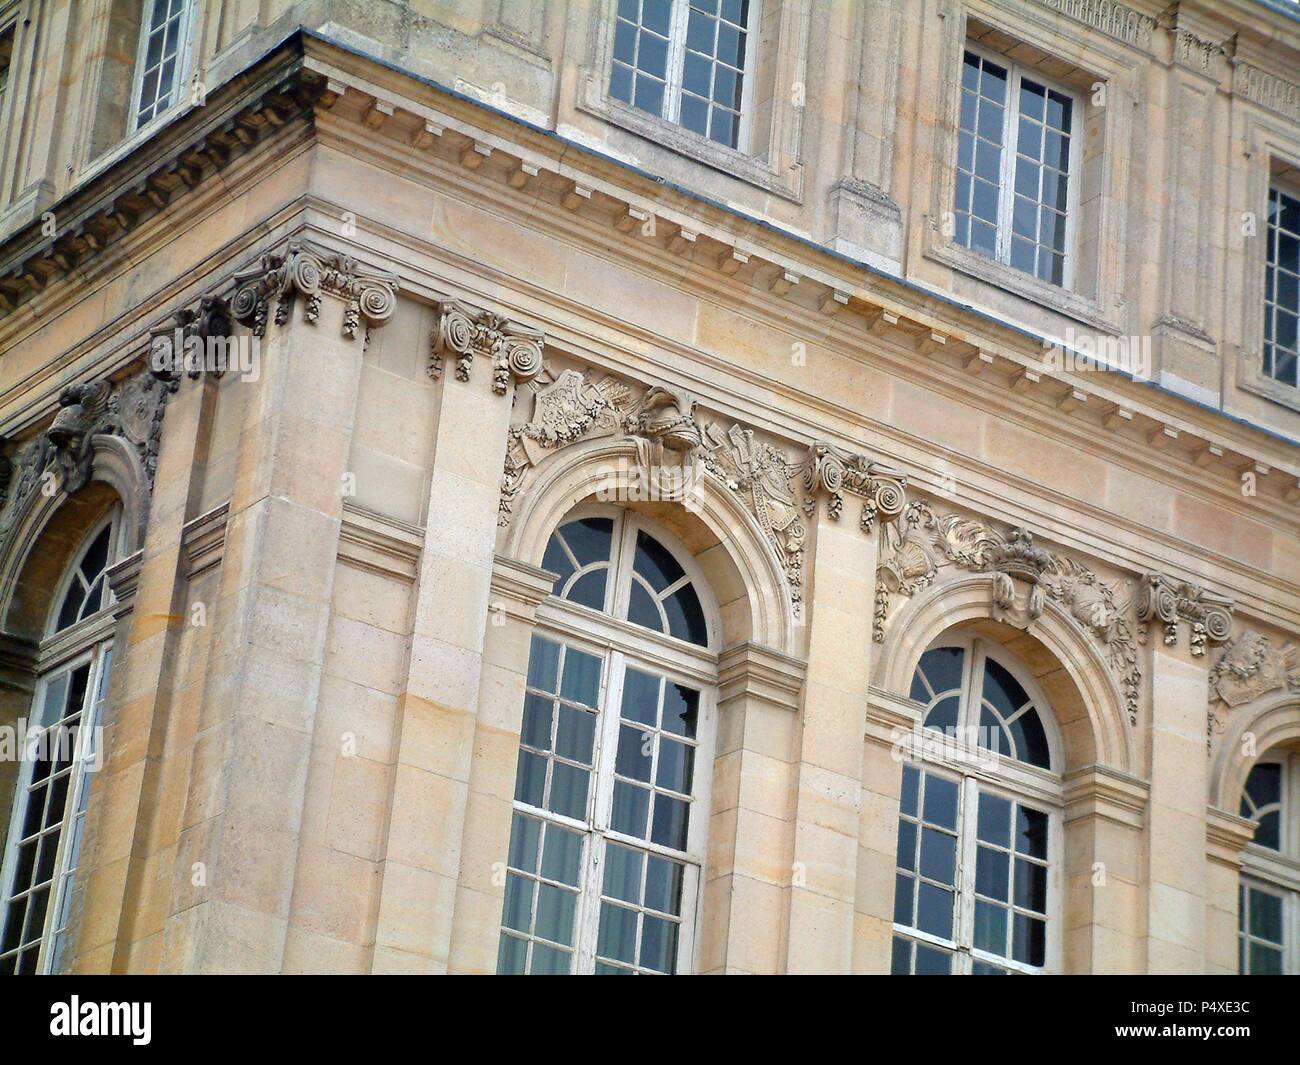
x=676 y=448
x=923 y=542
x=304 y=270
x=463 y=332
x=1168 y=600
x=61 y=458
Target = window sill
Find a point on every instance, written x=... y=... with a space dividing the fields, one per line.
x=755 y=170
x=129 y=144
x=1061 y=300
x=1251 y=378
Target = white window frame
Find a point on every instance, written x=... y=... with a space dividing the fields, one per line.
x=975 y=770
x=1278 y=871
x=1007 y=175
x=184 y=55
x=1290 y=188
x=87 y=641
x=675 y=76
x=620 y=643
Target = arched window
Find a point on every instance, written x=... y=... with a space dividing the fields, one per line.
x=60 y=747
x=1269 y=896
x=978 y=827
x=611 y=790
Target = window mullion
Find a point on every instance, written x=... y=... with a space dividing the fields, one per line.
x=966 y=866
x=1010 y=141
x=676 y=60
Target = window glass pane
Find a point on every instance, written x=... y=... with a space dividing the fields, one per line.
x=940 y=801
x=642 y=609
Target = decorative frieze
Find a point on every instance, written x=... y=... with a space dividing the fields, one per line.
x=675 y=448
x=1111 y=18
x=464 y=332
x=918 y=547
x=61 y=458
x=1268 y=90
x=1169 y=601
x=303 y=270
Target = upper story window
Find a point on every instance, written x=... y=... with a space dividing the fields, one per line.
x=1016 y=161
x=160 y=64
x=975 y=882
x=44 y=838
x=685 y=61
x=1282 y=287
x=1269 y=895
x=611 y=791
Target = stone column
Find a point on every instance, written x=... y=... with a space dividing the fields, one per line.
x=151 y=588
x=1104 y=919
x=517 y=590
x=888 y=715
x=238 y=847
x=438 y=714
x=1176 y=823
x=827 y=798
x=743 y=920
x=1225 y=835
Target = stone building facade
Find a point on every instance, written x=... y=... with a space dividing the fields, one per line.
x=650 y=485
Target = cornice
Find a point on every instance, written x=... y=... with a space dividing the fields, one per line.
x=204 y=539
x=1013 y=500
x=380 y=544
x=1099 y=791
x=722 y=253
x=518 y=588
x=750 y=671
x=1226 y=834
x=236 y=116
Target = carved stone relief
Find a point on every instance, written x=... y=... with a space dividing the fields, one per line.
x=924 y=543
x=1249 y=667
x=61 y=458
x=675 y=447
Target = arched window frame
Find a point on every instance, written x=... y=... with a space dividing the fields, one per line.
x=979 y=770
x=1275 y=872
x=87 y=643
x=621 y=644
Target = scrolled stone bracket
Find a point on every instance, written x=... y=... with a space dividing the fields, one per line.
x=1169 y=601
x=303 y=271
x=830 y=472
x=463 y=332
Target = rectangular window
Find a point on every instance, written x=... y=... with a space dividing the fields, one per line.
x=160 y=65
x=970 y=892
x=49 y=815
x=1282 y=288
x=1015 y=168
x=685 y=61
x=6 y=57
x=604 y=859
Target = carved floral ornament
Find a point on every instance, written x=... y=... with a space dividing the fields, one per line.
x=61 y=458
x=924 y=543
x=675 y=448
